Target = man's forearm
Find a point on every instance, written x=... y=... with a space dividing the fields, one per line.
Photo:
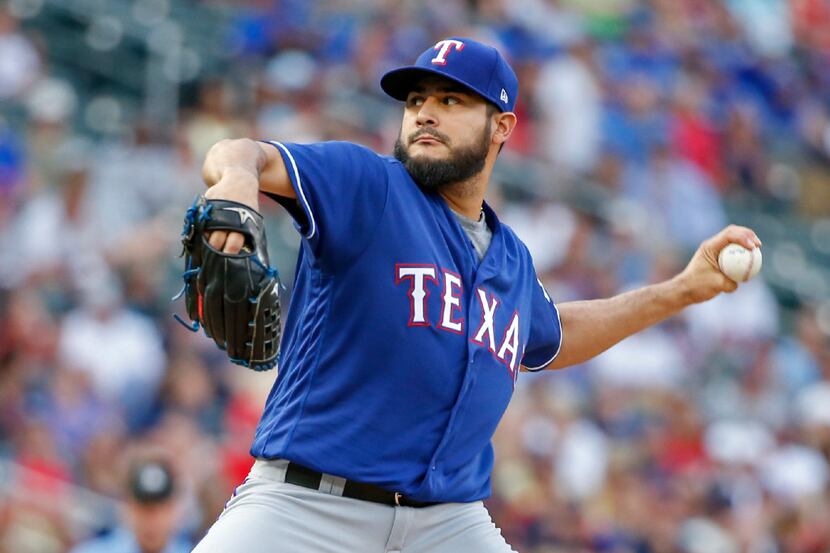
x=591 y=327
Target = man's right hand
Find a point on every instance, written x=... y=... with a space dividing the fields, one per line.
x=240 y=186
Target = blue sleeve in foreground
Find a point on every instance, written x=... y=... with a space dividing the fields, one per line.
x=545 y=338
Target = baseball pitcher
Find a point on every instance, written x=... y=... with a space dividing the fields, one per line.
x=413 y=312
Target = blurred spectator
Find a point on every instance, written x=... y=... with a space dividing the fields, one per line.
x=746 y=162
x=746 y=317
x=12 y=165
x=634 y=124
x=569 y=99
x=57 y=233
x=19 y=60
x=695 y=135
x=50 y=140
x=151 y=515
x=649 y=359
x=766 y=24
x=581 y=461
x=151 y=177
x=213 y=120
x=118 y=349
x=812 y=23
x=795 y=472
x=73 y=413
x=796 y=357
x=682 y=203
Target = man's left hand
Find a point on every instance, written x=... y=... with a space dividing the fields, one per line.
x=702 y=279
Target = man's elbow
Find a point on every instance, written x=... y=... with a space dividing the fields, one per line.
x=558 y=363
x=228 y=152
x=211 y=168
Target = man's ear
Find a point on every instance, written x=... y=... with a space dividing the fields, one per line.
x=505 y=123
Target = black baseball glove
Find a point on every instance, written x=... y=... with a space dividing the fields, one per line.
x=234 y=297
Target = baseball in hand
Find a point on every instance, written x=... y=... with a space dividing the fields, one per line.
x=739 y=263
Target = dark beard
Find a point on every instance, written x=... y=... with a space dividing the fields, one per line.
x=435 y=175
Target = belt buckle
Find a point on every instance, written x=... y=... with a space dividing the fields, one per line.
x=398 y=499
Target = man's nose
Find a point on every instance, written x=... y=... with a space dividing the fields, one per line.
x=427 y=114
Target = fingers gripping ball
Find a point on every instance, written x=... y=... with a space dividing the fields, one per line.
x=739 y=263
x=233 y=297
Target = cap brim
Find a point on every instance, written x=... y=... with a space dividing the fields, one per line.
x=398 y=83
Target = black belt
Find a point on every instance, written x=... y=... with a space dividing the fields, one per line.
x=308 y=478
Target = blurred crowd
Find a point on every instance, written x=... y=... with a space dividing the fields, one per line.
x=640 y=121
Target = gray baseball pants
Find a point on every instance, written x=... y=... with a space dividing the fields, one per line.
x=266 y=515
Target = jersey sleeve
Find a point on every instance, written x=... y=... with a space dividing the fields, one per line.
x=341 y=193
x=545 y=338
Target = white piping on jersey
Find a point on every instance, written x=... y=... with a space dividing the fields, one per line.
x=559 y=347
x=306 y=206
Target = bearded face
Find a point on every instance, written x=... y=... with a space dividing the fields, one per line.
x=445 y=133
x=434 y=174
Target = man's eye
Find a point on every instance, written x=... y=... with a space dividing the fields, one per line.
x=451 y=100
x=416 y=101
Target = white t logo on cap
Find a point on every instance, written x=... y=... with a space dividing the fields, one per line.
x=503 y=95
x=443 y=47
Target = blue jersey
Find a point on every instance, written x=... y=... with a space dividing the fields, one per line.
x=400 y=349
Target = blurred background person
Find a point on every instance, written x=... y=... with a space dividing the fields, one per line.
x=151 y=515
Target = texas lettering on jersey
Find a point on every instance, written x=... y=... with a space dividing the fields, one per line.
x=423 y=278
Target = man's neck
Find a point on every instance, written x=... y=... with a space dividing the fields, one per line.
x=467 y=197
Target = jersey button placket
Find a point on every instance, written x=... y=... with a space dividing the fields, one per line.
x=465 y=386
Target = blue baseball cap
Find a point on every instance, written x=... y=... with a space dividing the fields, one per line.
x=472 y=64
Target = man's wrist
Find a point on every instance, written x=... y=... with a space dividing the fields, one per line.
x=238 y=186
x=681 y=291
x=241 y=176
